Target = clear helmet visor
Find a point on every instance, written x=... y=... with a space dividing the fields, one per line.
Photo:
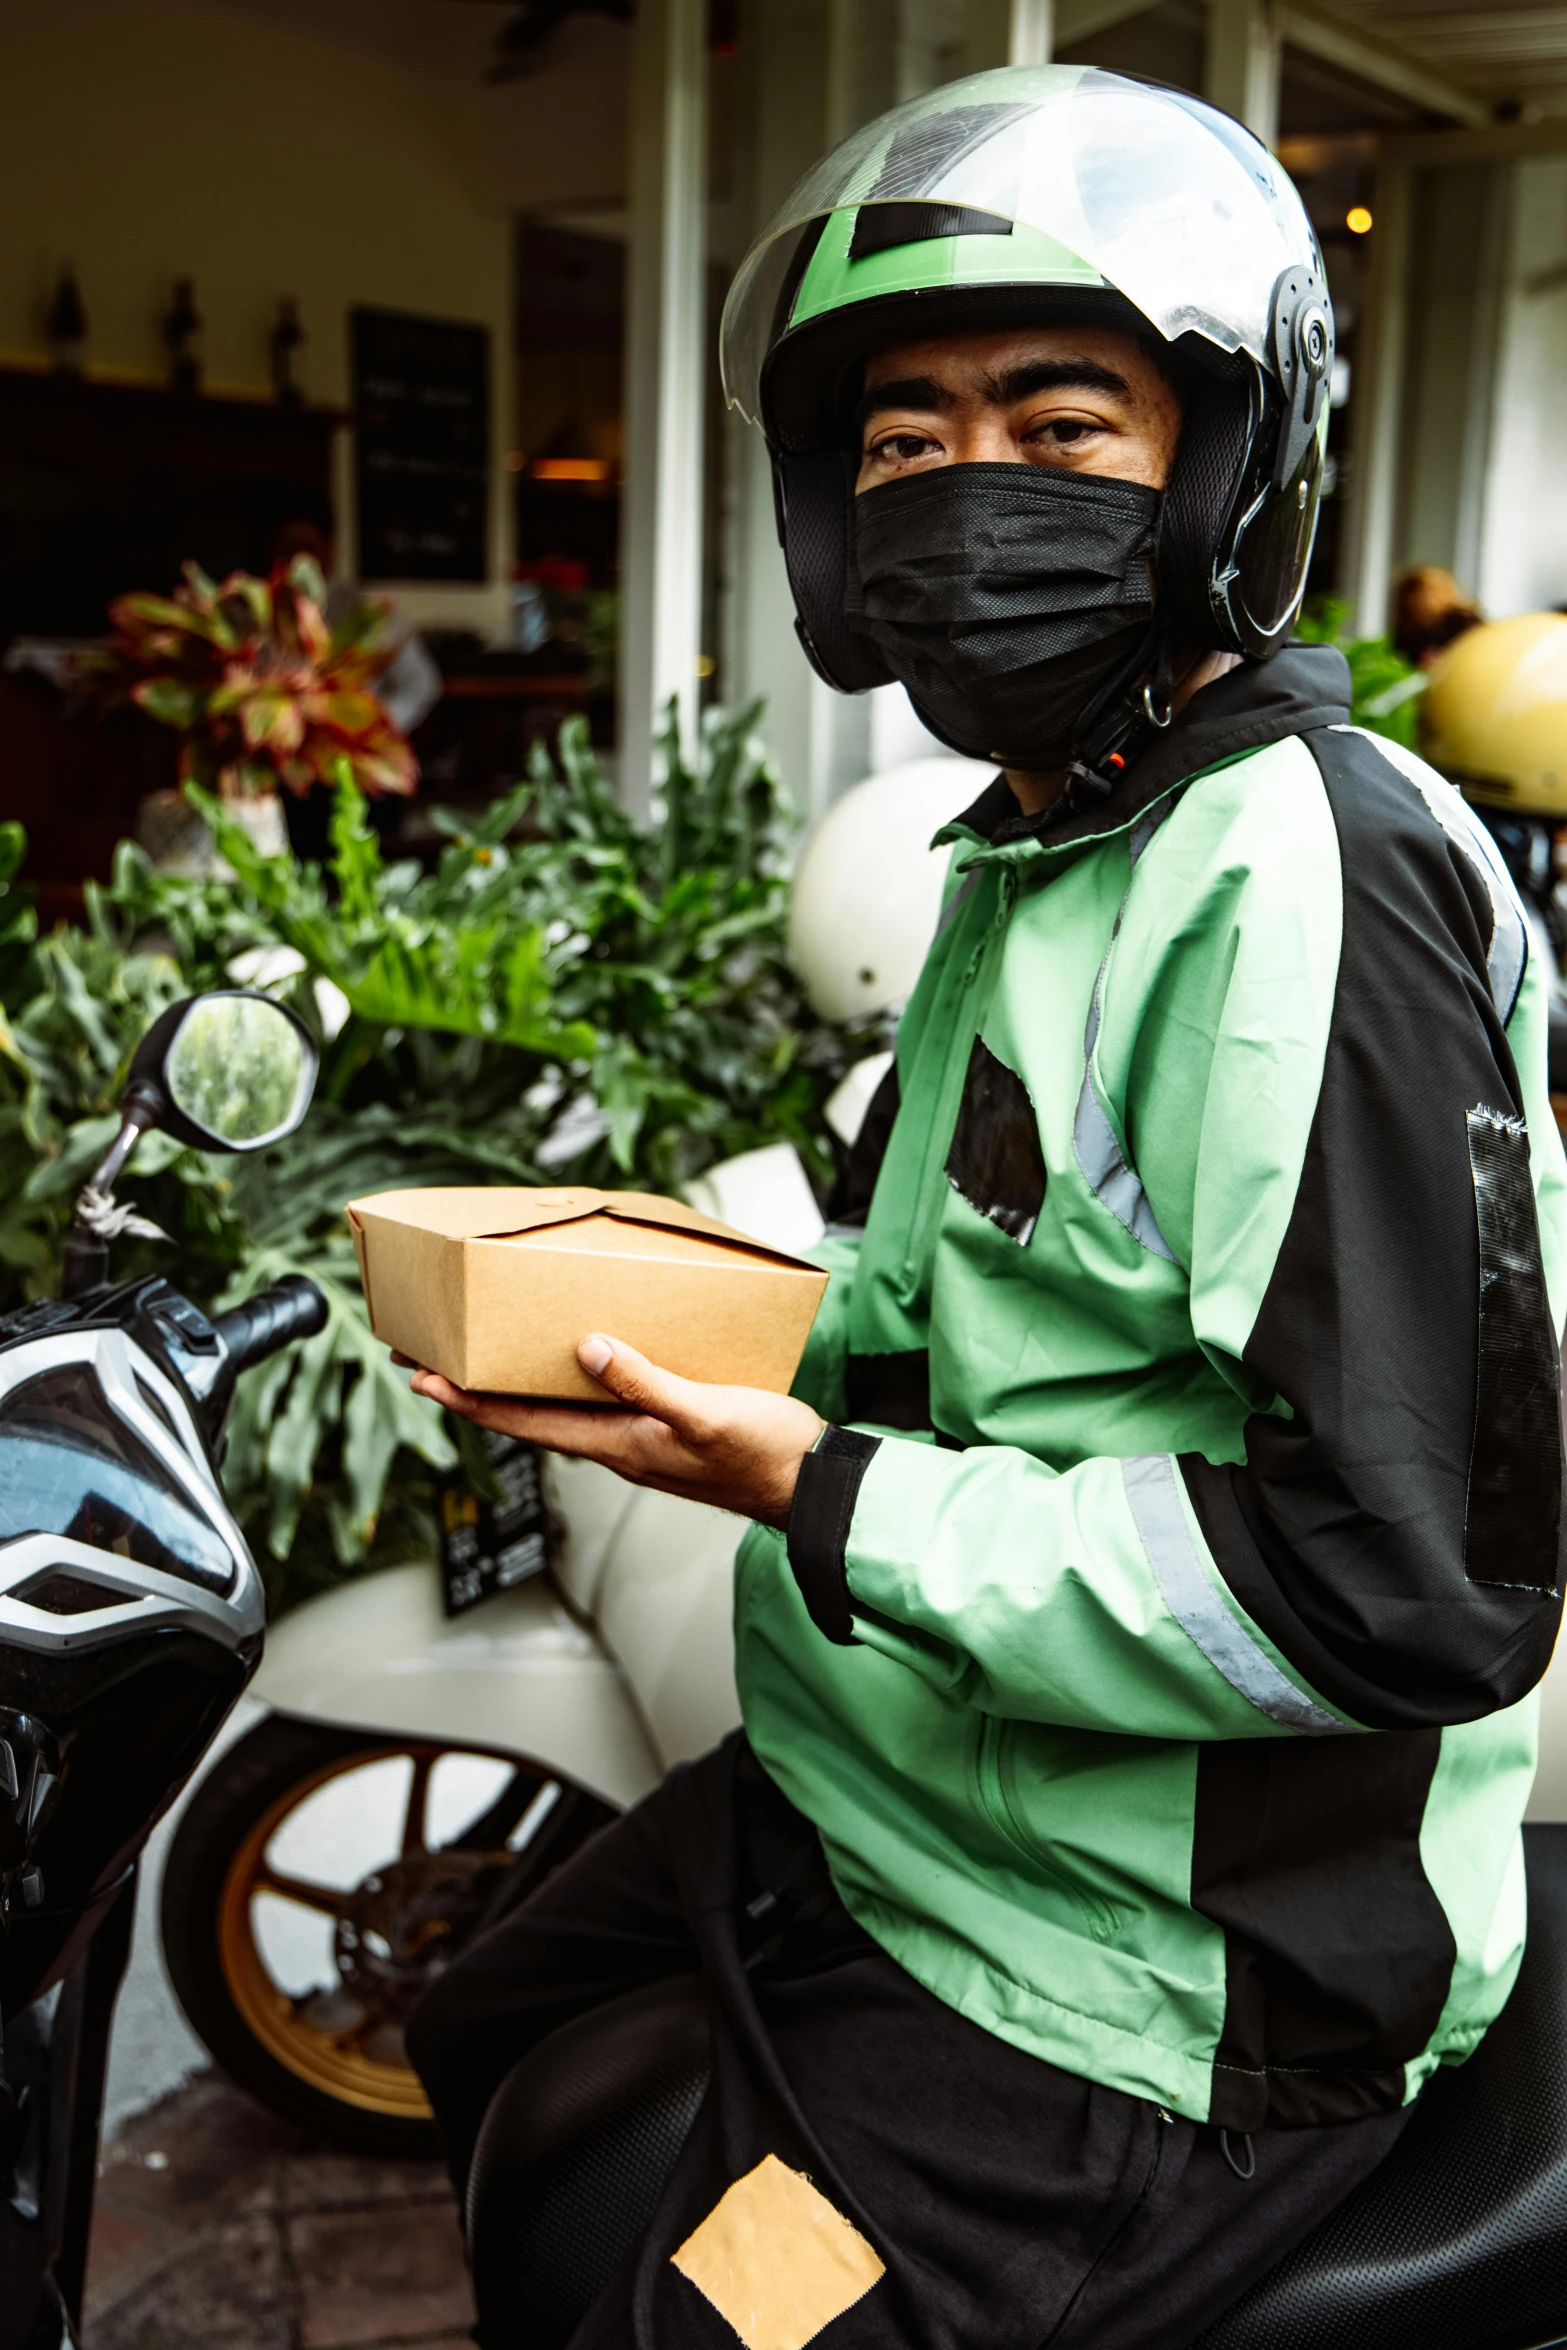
x=1145 y=191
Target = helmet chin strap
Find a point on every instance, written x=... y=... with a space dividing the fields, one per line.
x=1132 y=715
x=1124 y=718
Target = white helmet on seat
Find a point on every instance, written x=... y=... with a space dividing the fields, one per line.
x=867 y=893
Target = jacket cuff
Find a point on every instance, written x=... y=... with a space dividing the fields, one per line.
x=819 y=1522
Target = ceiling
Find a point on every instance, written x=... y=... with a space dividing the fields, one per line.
x=1514 y=53
x=436 y=36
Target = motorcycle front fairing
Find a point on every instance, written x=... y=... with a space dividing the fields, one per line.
x=131 y=1612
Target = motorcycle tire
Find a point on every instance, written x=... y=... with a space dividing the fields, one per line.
x=332 y=2062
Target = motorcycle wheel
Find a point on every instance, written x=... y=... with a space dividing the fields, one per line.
x=329 y=2056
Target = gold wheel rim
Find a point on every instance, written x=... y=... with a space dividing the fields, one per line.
x=336 y=2064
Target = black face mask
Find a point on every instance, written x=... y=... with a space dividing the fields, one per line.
x=1005 y=598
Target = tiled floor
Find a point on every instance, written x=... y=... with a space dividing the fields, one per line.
x=219 y=2228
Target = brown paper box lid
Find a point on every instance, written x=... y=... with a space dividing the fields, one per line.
x=498 y=1211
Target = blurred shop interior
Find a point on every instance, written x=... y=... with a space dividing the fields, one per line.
x=430 y=288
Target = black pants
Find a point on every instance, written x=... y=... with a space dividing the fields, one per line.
x=1013 y=2204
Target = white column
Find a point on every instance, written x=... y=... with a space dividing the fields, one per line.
x=863 y=43
x=1242 y=65
x=782 y=130
x=1486 y=332
x=1032 y=39
x=815 y=70
x=1366 y=565
x=666 y=367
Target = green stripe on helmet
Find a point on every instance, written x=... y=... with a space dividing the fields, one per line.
x=1027 y=257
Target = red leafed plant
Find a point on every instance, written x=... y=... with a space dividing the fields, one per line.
x=264 y=691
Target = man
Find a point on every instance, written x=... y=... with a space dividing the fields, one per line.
x=1151 y=1570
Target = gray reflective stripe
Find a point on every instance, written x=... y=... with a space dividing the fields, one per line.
x=1153 y=1492
x=1115 y=1185
x=1507 y=956
x=1147 y=825
x=960 y=895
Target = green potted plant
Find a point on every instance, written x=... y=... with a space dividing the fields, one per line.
x=265 y=695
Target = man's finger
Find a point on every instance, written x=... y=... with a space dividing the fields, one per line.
x=492 y=1411
x=581 y=1429
x=633 y=1380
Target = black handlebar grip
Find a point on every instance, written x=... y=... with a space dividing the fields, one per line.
x=293 y=1308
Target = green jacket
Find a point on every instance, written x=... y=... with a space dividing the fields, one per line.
x=1154 y=1637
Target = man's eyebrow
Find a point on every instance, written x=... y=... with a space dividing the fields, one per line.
x=1054 y=375
x=1000 y=390
x=908 y=391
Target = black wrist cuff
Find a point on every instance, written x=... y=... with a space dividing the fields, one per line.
x=819 y=1522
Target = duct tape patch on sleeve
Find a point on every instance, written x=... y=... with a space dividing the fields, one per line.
x=996 y=1162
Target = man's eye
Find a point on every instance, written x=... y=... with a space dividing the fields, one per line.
x=904 y=446
x=1065 y=431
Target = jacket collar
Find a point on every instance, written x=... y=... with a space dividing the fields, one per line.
x=1261 y=702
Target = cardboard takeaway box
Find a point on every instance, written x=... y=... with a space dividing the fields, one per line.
x=495 y=1287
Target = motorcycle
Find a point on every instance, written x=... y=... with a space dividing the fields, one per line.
x=131 y=1615
x=575 y=1692
x=470 y=1753
x=131 y=1619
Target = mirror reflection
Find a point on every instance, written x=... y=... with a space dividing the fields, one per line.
x=239 y=1068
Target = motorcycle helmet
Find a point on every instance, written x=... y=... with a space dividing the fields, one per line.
x=1051 y=194
x=1495 y=715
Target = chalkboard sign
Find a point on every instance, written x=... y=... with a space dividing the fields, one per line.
x=422 y=400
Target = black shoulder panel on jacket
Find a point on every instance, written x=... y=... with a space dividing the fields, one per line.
x=1364 y=1533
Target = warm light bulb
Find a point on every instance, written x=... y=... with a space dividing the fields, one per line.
x=1357 y=219
x=570 y=469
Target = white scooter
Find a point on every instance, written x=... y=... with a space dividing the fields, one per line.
x=415 y=1768
x=417 y=1772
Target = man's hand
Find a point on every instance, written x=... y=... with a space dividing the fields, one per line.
x=739 y=1448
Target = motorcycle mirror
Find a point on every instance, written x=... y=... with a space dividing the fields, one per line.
x=229 y=1071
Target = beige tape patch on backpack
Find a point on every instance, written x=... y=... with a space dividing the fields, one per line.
x=776 y=2260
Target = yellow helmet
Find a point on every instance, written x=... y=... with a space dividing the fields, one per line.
x=1494 y=716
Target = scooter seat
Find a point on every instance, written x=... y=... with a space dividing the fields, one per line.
x=574 y=2153
x=1459 y=2240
